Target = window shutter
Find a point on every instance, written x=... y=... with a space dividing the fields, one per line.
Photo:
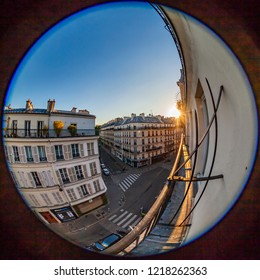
x=20 y=180
x=35 y=154
x=67 y=152
x=42 y=180
x=24 y=180
x=84 y=167
x=59 y=177
x=22 y=154
x=11 y=154
x=72 y=174
x=50 y=153
x=31 y=180
x=49 y=178
x=81 y=150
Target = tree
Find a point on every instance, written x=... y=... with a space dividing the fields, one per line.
x=72 y=129
x=58 y=126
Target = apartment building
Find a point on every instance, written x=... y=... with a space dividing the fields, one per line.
x=56 y=172
x=140 y=140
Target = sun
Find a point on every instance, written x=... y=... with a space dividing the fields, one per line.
x=174 y=112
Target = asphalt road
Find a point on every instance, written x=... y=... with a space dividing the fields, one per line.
x=130 y=192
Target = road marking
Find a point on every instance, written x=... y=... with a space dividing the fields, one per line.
x=126 y=183
x=112 y=217
x=123 y=187
x=121 y=216
x=129 y=221
x=129 y=180
x=127 y=217
x=136 y=222
x=134 y=176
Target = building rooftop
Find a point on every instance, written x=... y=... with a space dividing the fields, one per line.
x=29 y=109
x=150 y=119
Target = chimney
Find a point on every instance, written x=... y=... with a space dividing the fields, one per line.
x=133 y=115
x=50 y=105
x=74 y=110
x=29 y=105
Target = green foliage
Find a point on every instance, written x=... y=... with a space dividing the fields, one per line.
x=72 y=129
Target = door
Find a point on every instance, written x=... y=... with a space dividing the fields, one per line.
x=39 y=128
x=48 y=217
x=27 y=128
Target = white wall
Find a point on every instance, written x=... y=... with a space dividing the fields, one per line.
x=21 y=118
x=82 y=122
x=206 y=56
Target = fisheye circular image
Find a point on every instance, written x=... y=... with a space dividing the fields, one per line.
x=130 y=129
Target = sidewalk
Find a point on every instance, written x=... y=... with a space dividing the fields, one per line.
x=170 y=233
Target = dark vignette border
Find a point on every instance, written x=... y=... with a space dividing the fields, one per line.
x=22 y=236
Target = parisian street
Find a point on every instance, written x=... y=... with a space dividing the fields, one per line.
x=130 y=193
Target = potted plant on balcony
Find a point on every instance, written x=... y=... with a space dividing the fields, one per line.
x=72 y=129
x=58 y=126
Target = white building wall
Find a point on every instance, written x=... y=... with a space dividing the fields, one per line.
x=47 y=170
x=21 y=118
x=205 y=56
x=82 y=122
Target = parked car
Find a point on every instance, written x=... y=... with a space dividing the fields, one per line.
x=102 y=165
x=107 y=241
x=106 y=171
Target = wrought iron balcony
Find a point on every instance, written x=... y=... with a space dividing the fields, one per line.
x=50 y=133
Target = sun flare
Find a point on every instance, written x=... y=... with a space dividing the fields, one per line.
x=174 y=112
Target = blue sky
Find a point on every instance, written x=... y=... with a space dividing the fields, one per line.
x=113 y=60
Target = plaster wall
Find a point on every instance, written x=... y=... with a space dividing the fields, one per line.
x=206 y=56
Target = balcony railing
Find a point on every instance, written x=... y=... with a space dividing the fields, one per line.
x=51 y=133
x=144 y=227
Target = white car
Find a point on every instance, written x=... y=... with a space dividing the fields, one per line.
x=106 y=171
x=102 y=165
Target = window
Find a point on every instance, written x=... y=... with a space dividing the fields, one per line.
x=59 y=152
x=90 y=149
x=36 y=179
x=64 y=175
x=28 y=151
x=203 y=122
x=14 y=127
x=27 y=128
x=34 y=200
x=71 y=193
x=75 y=150
x=79 y=173
x=16 y=154
x=39 y=128
x=57 y=197
x=83 y=190
x=93 y=168
x=42 y=154
x=46 y=198
x=97 y=185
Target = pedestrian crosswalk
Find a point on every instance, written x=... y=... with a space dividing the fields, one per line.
x=125 y=219
x=128 y=181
